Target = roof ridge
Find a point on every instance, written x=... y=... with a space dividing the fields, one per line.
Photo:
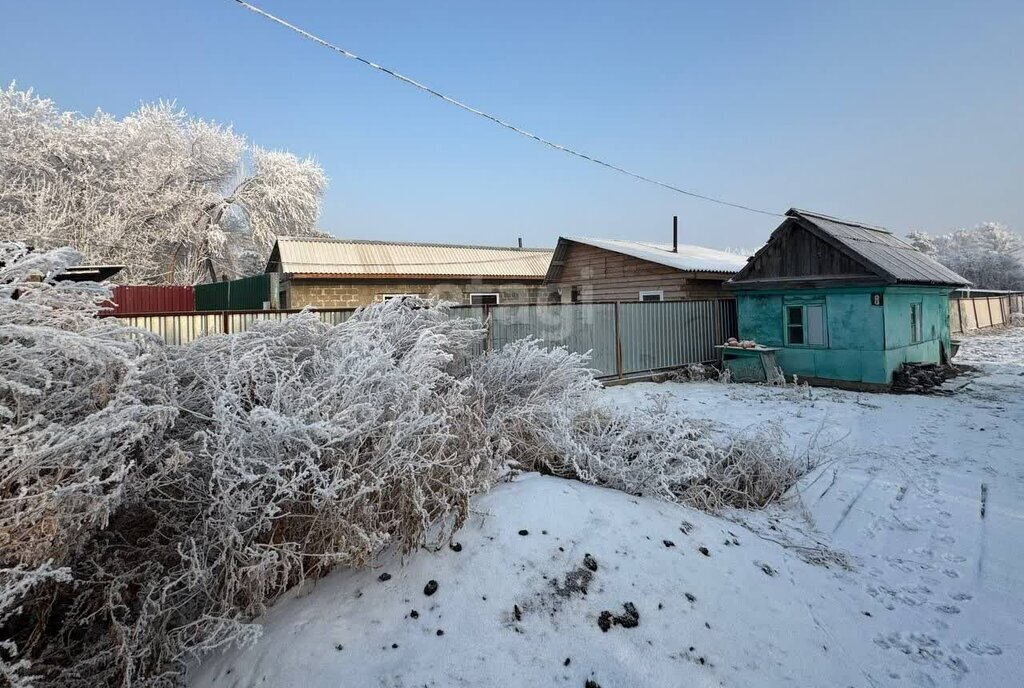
x=663 y=246
x=337 y=240
x=800 y=211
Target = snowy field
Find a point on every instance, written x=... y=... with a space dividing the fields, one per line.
x=933 y=594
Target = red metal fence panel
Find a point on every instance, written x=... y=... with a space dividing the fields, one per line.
x=131 y=299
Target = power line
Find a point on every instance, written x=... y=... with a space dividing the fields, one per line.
x=492 y=118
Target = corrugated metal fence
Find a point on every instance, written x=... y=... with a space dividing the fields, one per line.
x=245 y=294
x=152 y=299
x=622 y=338
x=980 y=312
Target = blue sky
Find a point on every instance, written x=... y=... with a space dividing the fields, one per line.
x=905 y=114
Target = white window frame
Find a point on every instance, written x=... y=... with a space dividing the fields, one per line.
x=496 y=295
x=660 y=293
x=805 y=329
x=388 y=297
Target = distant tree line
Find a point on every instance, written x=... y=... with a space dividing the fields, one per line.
x=989 y=255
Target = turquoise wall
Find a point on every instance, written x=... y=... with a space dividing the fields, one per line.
x=864 y=342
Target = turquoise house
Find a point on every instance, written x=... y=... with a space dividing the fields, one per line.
x=845 y=303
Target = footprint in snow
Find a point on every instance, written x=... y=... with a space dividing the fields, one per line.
x=977 y=647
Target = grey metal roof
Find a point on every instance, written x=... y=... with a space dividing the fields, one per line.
x=892 y=257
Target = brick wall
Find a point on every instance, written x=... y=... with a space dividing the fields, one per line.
x=327 y=293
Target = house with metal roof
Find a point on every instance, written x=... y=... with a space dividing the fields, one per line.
x=587 y=270
x=844 y=302
x=345 y=273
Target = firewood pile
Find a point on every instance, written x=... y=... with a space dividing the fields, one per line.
x=922 y=378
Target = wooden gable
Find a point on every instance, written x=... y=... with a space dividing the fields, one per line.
x=611 y=276
x=794 y=252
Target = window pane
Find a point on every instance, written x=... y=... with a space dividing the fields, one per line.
x=483 y=299
x=650 y=296
x=796 y=334
x=796 y=315
x=816 y=325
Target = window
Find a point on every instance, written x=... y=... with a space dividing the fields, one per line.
x=576 y=294
x=484 y=299
x=388 y=297
x=653 y=295
x=915 y=323
x=805 y=325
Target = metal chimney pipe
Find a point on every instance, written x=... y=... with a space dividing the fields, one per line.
x=520 y=242
x=675 y=234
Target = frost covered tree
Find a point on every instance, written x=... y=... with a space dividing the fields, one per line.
x=172 y=197
x=989 y=255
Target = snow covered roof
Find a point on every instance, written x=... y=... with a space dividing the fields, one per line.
x=688 y=258
x=361 y=258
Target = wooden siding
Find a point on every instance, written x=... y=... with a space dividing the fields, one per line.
x=603 y=275
x=793 y=251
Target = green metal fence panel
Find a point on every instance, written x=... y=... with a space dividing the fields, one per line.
x=245 y=294
x=213 y=297
x=250 y=293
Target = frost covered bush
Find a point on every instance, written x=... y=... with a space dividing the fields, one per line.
x=154 y=499
x=313 y=446
x=83 y=406
x=543 y=408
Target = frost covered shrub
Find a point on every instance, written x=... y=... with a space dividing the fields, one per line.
x=530 y=397
x=154 y=499
x=314 y=446
x=83 y=406
x=542 y=407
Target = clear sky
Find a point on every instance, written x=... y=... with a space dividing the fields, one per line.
x=904 y=114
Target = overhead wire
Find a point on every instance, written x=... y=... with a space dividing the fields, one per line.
x=495 y=119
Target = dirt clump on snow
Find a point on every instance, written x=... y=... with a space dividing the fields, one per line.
x=629 y=618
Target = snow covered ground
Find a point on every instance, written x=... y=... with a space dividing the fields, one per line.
x=934 y=597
